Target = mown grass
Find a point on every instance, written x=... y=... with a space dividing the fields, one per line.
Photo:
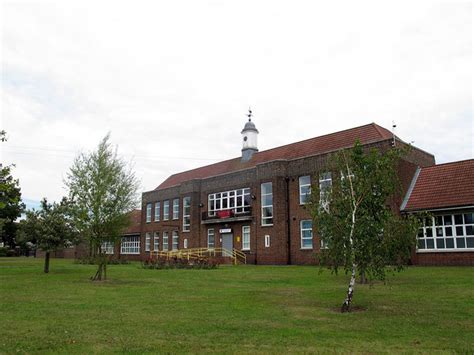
x=267 y=309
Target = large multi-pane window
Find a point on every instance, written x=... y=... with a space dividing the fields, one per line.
x=267 y=204
x=147 y=241
x=211 y=238
x=165 y=241
x=148 y=212
x=246 y=238
x=166 y=210
x=186 y=214
x=156 y=241
x=175 y=240
x=447 y=232
x=130 y=245
x=157 y=211
x=176 y=208
x=107 y=247
x=325 y=183
x=236 y=200
x=306 y=230
x=305 y=189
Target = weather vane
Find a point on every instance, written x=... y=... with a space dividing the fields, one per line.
x=249 y=115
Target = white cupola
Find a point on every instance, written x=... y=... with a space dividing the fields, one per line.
x=249 y=139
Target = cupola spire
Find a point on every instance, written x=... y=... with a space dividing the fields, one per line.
x=249 y=138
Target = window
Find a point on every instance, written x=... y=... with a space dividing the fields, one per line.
x=156 y=241
x=165 y=241
x=306 y=228
x=325 y=183
x=211 y=240
x=147 y=241
x=267 y=204
x=185 y=243
x=447 y=232
x=157 y=211
x=166 y=210
x=148 y=212
x=305 y=189
x=176 y=208
x=186 y=214
x=108 y=248
x=236 y=200
x=130 y=245
x=267 y=241
x=175 y=240
x=246 y=238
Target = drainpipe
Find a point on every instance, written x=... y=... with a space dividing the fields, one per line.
x=287 y=179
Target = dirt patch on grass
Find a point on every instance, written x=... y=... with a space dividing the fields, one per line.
x=353 y=309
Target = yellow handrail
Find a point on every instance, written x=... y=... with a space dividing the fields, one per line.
x=234 y=254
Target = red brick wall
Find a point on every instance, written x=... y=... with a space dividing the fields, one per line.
x=279 y=173
x=444 y=259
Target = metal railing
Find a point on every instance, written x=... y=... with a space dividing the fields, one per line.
x=237 y=256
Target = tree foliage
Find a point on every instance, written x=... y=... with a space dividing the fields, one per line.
x=358 y=225
x=103 y=189
x=50 y=228
x=11 y=206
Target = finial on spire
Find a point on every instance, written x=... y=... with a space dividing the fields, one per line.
x=249 y=115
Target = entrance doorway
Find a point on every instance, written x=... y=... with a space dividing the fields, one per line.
x=227 y=244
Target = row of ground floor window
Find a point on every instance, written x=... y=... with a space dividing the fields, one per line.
x=169 y=240
x=442 y=232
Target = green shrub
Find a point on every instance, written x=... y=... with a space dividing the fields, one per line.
x=177 y=263
x=90 y=260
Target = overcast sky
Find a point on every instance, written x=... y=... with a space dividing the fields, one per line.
x=172 y=80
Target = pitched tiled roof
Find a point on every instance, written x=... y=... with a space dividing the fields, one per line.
x=135 y=226
x=443 y=186
x=330 y=142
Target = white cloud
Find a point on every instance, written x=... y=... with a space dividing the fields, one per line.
x=174 y=79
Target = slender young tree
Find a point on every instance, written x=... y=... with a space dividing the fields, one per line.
x=104 y=189
x=359 y=230
x=50 y=228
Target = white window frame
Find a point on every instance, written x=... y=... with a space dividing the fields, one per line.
x=147 y=241
x=107 y=248
x=166 y=210
x=157 y=211
x=267 y=241
x=156 y=241
x=185 y=243
x=266 y=218
x=175 y=240
x=245 y=237
x=303 y=184
x=446 y=227
x=302 y=237
x=130 y=245
x=186 y=214
x=325 y=185
x=237 y=200
x=175 y=208
x=211 y=233
x=166 y=243
x=148 y=212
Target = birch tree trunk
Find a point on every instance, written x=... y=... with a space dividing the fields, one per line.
x=346 y=306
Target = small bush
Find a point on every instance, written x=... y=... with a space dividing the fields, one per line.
x=7 y=252
x=90 y=260
x=177 y=263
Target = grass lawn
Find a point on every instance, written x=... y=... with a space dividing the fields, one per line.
x=271 y=309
